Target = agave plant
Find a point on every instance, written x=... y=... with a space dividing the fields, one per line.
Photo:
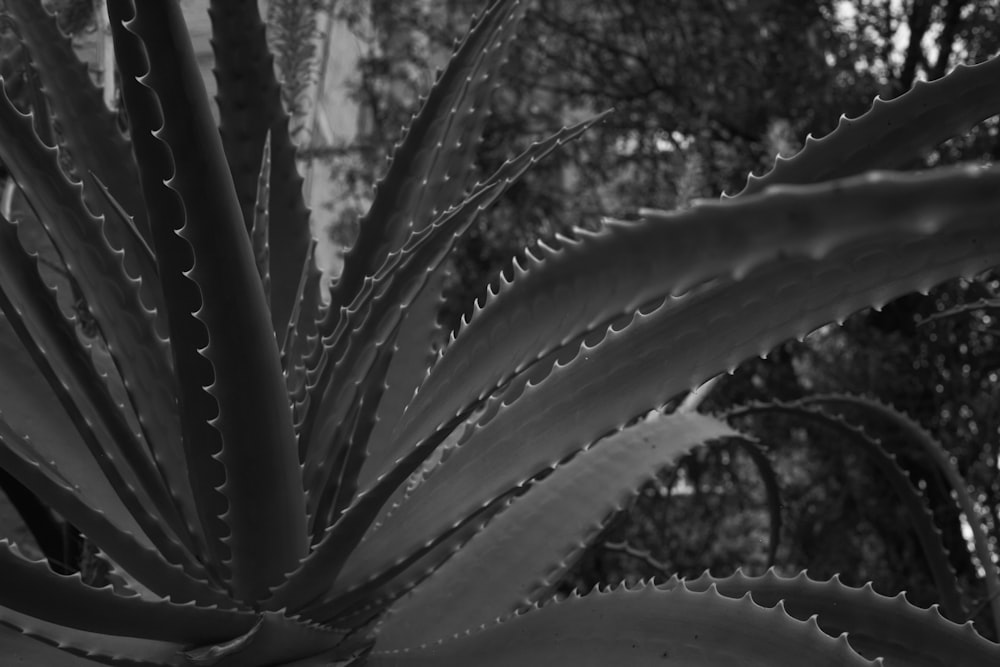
x=275 y=481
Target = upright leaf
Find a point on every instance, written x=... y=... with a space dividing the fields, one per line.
x=430 y=166
x=238 y=442
x=250 y=109
x=430 y=169
x=89 y=129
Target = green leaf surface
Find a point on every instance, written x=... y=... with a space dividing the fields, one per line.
x=261 y=222
x=525 y=549
x=52 y=342
x=28 y=641
x=431 y=165
x=599 y=381
x=338 y=482
x=89 y=129
x=249 y=100
x=415 y=343
x=237 y=442
x=892 y=133
x=205 y=473
x=30 y=587
x=32 y=409
x=449 y=123
x=301 y=337
x=356 y=603
x=113 y=298
x=368 y=332
x=273 y=640
x=644 y=626
x=876 y=625
x=584 y=284
x=399 y=290
x=321 y=568
x=19 y=458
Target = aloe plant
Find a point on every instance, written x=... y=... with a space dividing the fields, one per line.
x=275 y=481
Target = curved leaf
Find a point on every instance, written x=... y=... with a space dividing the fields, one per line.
x=367 y=334
x=321 y=568
x=430 y=165
x=396 y=292
x=582 y=285
x=89 y=129
x=524 y=550
x=140 y=356
x=891 y=133
x=413 y=358
x=50 y=339
x=261 y=222
x=944 y=462
x=646 y=626
x=876 y=625
x=32 y=409
x=273 y=640
x=238 y=442
x=598 y=382
x=17 y=457
x=204 y=473
x=28 y=641
x=30 y=587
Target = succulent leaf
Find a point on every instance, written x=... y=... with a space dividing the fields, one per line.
x=237 y=442
x=28 y=587
x=559 y=296
x=302 y=336
x=261 y=221
x=140 y=356
x=893 y=132
x=52 y=343
x=875 y=625
x=448 y=124
x=558 y=403
x=279 y=482
x=321 y=568
x=396 y=289
x=273 y=638
x=32 y=409
x=522 y=551
x=249 y=100
x=413 y=357
x=89 y=129
x=368 y=330
x=30 y=641
x=19 y=458
x=648 y=624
